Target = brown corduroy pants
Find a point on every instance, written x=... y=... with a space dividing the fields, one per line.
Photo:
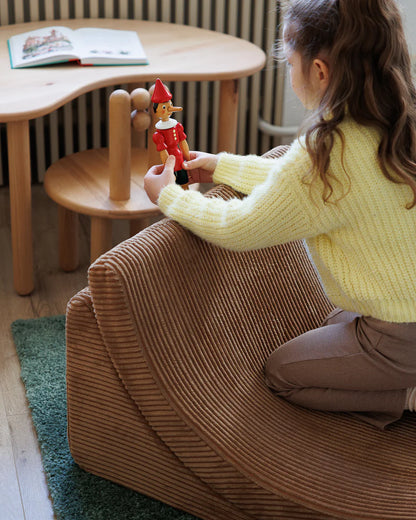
x=351 y=363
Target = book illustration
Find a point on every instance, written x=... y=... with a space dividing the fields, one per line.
x=87 y=46
x=36 y=45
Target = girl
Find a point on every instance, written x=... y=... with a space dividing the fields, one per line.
x=348 y=187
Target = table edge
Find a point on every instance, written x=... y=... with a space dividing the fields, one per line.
x=127 y=75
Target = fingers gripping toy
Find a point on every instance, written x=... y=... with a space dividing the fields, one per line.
x=169 y=137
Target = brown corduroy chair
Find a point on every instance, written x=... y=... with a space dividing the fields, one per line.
x=165 y=355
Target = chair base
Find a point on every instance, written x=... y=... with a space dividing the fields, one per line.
x=110 y=438
x=79 y=183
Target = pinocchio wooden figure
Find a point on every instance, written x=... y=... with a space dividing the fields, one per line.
x=170 y=137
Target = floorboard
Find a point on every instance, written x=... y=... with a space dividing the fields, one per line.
x=23 y=489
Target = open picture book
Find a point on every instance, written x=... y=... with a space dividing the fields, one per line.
x=88 y=46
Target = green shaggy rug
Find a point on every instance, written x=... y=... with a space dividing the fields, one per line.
x=76 y=494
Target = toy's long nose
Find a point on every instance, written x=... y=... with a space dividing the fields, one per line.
x=175 y=109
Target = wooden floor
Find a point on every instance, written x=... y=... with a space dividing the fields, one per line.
x=23 y=490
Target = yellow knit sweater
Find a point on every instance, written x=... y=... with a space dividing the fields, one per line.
x=363 y=246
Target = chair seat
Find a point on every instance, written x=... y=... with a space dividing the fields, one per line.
x=80 y=183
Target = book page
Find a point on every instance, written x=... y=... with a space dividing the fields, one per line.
x=46 y=45
x=110 y=46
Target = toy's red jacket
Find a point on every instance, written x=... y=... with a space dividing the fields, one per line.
x=169 y=139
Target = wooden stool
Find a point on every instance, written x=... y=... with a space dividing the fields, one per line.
x=105 y=184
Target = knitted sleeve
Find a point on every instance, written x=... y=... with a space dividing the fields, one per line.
x=278 y=210
x=243 y=173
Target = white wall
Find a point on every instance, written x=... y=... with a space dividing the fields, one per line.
x=293 y=111
x=409 y=18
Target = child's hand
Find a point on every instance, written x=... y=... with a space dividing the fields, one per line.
x=200 y=166
x=158 y=177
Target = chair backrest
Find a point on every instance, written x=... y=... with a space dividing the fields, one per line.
x=143 y=120
x=121 y=120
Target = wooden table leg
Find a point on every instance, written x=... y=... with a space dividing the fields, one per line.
x=68 y=239
x=101 y=239
x=227 y=121
x=20 y=205
x=138 y=225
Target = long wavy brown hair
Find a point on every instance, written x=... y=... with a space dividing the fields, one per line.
x=370 y=73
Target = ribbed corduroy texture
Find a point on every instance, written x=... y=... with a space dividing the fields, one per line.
x=184 y=329
x=108 y=435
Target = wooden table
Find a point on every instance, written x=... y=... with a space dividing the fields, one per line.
x=175 y=53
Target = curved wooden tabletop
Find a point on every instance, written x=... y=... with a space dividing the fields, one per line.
x=33 y=92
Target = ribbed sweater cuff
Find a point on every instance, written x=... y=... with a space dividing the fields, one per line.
x=242 y=173
x=228 y=169
x=167 y=196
